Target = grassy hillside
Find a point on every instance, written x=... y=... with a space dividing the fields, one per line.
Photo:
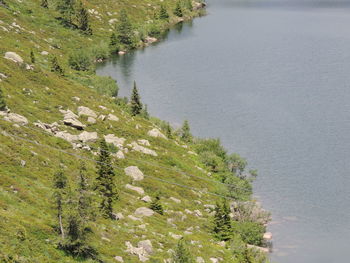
x=190 y=176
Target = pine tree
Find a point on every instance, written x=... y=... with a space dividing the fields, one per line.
x=105 y=180
x=66 y=9
x=182 y=253
x=83 y=19
x=113 y=44
x=163 y=13
x=55 y=66
x=136 y=105
x=2 y=101
x=185 y=132
x=178 y=10
x=125 y=34
x=168 y=131
x=222 y=222
x=156 y=206
x=32 y=57
x=44 y=4
x=59 y=184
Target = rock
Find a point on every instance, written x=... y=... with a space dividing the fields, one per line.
x=117 y=216
x=187 y=211
x=142 y=149
x=198 y=213
x=150 y=40
x=139 y=190
x=146 y=245
x=68 y=114
x=16 y=118
x=139 y=251
x=197 y=5
x=82 y=110
x=74 y=123
x=102 y=107
x=175 y=236
x=88 y=136
x=23 y=163
x=133 y=218
x=144 y=142
x=91 y=120
x=200 y=260
x=112 y=117
x=112 y=21
x=14 y=57
x=188 y=232
x=118 y=142
x=44 y=53
x=134 y=172
x=119 y=259
x=144 y=211
x=211 y=207
x=121 y=52
x=119 y=155
x=51 y=128
x=214 y=260
x=267 y=236
x=67 y=136
x=146 y=199
x=156 y=133
x=261 y=249
x=2 y=76
x=178 y=201
x=222 y=244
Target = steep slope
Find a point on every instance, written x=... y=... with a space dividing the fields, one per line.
x=55 y=122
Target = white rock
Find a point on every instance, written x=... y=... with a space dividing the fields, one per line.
x=150 y=40
x=44 y=53
x=178 y=201
x=67 y=136
x=144 y=142
x=133 y=218
x=261 y=249
x=198 y=213
x=68 y=114
x=88 y=136
x=120 y=155
x=16 y=118
x=118 y=216
x=112 y=117
x=74 y=123
x=175 y=236
x=139 y=251
x=139 y=190
x=156 y=133
x=214 y=260
x=142 y=149
x=187 y=211
x=200 y=260
x=267 y=236
x=14 y=57
x=91 y=120
x=119 y=259
x=146 y=245
x=121 y=52
x=102 y=107
x=146 y=199
x=82 y=110
x=143 y=211
x=118 y=142
x=134 y=172
x=102 y=117
x=75 y=98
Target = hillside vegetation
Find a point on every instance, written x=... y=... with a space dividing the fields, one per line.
x=86 y=176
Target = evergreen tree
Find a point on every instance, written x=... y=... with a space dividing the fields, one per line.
x=163 y=13
x=66 y=9
x=178 y=9
x=168 y=131
x=44 y=4
x=156 y=206
x=105 y=180
x=55 y=66
x=32 y=57
x=182 y=253
x=113 y=43
x=136 y=105
x=59 y=184
x=222 y=222
x=185 y=132
x=83 y=19
x=125 y=34
x=2 y=101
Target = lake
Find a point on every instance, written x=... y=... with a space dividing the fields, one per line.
x=272 y=80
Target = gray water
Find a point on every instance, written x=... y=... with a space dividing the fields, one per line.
x=272 y=80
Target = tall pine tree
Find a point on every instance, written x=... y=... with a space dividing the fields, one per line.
x=83 y=19
x=105 y=181
x=135 y=101
x=2 y=101
x=222 y=228
x=125 y=32
x=185 y=132
x=32 y=57
x=55 y=66
x=156 y=206
x=178 y=9
x=168 y=131
x=163 y=13
x=182 y=254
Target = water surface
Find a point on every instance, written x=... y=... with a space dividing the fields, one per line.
x=272 y=80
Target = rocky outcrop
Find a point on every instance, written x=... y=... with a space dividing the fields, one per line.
x=88 y=136
x=156 y=133
x=16 y=118
x=71 y=119
x=51 y=128
x=118 y=142
x=14 y=57
x=134 y=172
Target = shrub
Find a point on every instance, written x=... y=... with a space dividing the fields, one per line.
x=100 y=51
x=250 y=232
x=80 y=60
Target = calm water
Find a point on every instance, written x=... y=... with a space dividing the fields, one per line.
x=272 y=80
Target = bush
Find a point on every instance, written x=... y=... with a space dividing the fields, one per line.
x=154 y=30
x=250 y=232
x=100 y=51
x=80 y=60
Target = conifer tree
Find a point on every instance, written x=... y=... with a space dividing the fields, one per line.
x=2 y=101
x=182 y=253
x=136 y=105
x=113 y=44
x=156 y=206
x=66 y=9
x=105 y=181
x=125 y=34
x=55 y=66
x=32 y=57
x=163 y=13
x=222 y=222
x=83 y=19
x=185 y=132
x=168 y=131
x=178 y=9
x=44 y=4
x=60 y=184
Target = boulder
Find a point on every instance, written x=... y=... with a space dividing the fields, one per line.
x=144 y=142
x=214 y=260
x=139 y=190
x=51 y=128
x=119 y=155
x=68 y=114
x=44 y=53
x=82 y=110
x=200 y=260
x=146 y=245
x=156 y=133
x=142 y=149
x=91 y=120
x=198 y=213
x=133 y=218
x=88 y=136
x=112 y=117
x=146 y=199
x=117 y=216
x=139 y=251
x=175 y=236
x=119 y=259
x=144 y=211
x=118 y=142
x=67 y=136
x=102 y=107
x=267 y=236
x=74 y=123
x=134 y=172
x=261 y=249
x=178 y=201
x=16 y=118
x=14 y=57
